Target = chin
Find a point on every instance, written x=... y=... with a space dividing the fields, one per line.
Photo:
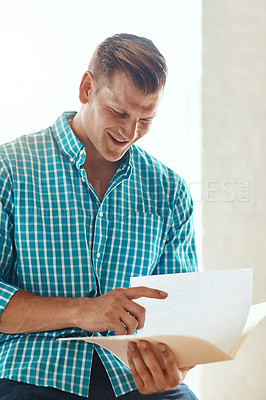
x=114 y=157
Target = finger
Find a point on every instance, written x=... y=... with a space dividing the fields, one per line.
x=121 y=305
x=129 y=321
x=143 y=291
x=184 y=371
x=137 y=379
x=137 y=311
x=154 y=365
x=174 y=375
x=119 y=328
x=141 y=370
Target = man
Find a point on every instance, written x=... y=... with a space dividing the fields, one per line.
x=83 y=209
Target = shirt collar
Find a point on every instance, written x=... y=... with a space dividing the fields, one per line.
x=67 y=141
x=126 y=160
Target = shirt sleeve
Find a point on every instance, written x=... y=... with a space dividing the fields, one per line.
x=179 y=254
x=7 y=248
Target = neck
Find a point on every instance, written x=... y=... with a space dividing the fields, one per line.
x=99 y=171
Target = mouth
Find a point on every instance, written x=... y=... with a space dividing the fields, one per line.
x=118 y=142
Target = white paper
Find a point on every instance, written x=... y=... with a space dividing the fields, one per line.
x=211 y=305
x=202 y=320
x=256 y=314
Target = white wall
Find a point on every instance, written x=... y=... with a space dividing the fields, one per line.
x=233 y=167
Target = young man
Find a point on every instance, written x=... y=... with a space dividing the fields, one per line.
x=83 y=209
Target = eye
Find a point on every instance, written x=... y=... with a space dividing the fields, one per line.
x=145 y=121
x=121 y=115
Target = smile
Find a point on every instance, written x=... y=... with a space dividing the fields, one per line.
x=118 y=142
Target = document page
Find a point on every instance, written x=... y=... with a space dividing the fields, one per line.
x=210 y=305
x=205 y=317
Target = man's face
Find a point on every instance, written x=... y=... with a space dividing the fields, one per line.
x=115 y=116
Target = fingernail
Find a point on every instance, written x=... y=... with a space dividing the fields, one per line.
x=132 y=346
x=161 y=347
x=142 y=345
x=163 y=294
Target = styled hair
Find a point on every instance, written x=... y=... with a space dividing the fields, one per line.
x=135 y=56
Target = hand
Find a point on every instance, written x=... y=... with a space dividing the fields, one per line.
x=115 y=310
x=149 y=375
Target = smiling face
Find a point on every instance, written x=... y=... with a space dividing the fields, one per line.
x=114 y=116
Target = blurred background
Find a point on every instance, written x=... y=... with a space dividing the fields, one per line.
x=211 y=127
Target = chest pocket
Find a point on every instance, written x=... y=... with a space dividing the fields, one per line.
x=134 y=243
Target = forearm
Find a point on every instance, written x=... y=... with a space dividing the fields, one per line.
x=114 y=310
x=26 y=312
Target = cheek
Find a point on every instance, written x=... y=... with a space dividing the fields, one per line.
x=106 y=121
x=143 y=130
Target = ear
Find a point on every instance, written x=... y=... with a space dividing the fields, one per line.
x=86 y=85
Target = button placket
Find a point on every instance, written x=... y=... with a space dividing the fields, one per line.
x=98 y=254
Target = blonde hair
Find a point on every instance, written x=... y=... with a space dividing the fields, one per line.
x=135 y=56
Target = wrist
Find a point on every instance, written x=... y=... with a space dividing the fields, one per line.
x=79 y=312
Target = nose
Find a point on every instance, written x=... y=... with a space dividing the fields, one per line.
x=130 y=129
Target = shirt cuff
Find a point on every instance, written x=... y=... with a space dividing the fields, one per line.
x=6 y=293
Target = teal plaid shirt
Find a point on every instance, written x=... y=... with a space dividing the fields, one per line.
x=58 y=239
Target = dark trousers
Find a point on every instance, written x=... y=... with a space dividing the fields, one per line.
x=100 y=389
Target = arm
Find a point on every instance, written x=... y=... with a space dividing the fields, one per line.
x=26 y=312
x=7 y=246
x=179 y=254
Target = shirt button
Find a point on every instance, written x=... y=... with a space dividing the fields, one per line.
x=98 y=255
x=101 y=214
x=72 y=159
x=81 y=152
